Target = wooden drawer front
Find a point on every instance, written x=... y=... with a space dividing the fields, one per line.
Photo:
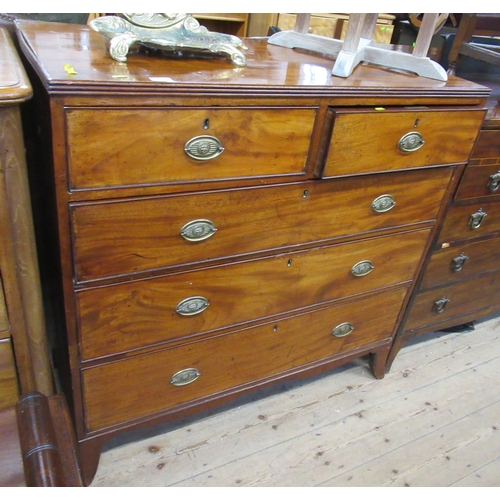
x=8 y=377
x=460 y=262
x=482 y=177
x=461 y=301
x=141 y=385
x=137 y=235
x=459 y=221
x=132 y=315
x=126 y=147
x=368 y=141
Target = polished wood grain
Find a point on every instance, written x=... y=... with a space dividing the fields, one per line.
x=432 y=422
x=103 y=155
x=485 y=162
x=133 y=235
x=38 y=444
x=482 y=255
x=456 y=226
x=461 y=301
x=136 y=314
x=229 y=361
x=15 y=86
x=368 y=141
x=270 y=70
x=9 y=386
x=18 y=257
x=286 y=238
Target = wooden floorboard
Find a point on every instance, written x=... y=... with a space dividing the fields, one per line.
x=434 y=420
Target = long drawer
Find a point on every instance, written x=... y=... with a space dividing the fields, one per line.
x=436 y=305
x=135 y=314
x=115 y=238
x=117 y=392
x=470 y=221
x=127 y=147
x=370 y=141
x=462 y=261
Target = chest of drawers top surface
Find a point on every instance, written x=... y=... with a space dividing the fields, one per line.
x=270 y=70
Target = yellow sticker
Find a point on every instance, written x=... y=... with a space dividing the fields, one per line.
x=69 y=69
x=379 y=109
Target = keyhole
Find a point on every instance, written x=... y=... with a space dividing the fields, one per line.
x=416 y=123
x=275 y=329
x=305 y=193
x=206 y=124
x=289 y=263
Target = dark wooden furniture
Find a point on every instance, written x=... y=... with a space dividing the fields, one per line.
x=460 y=280
x=462 y=45
x=221 y=229
x=38 y=443
x=24 y=360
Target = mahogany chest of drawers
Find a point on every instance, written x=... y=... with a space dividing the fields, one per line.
x=221 y=228
x=460 y=282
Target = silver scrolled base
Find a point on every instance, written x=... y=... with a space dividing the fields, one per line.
x=166 y=31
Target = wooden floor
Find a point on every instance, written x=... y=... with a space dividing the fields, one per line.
x=434 y=420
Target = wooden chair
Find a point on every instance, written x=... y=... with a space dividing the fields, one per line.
x=462 y=45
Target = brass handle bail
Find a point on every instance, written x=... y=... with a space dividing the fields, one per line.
x=203 y=147
x=412 y=141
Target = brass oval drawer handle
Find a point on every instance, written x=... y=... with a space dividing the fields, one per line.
x=185 y=377
x=203 y=147
x=412 y=141
x=383 y=203
x=477 y=219
x=362 y=268
x=457 y=263
x=494 y=182
x=440 y=305
x=192 y=306
x=343 y=330
x=198 y=230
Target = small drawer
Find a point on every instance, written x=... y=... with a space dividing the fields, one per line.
x=469 y=221
x=136 y=314
x=145 y=384
x=434 y=306
x=9 y=392
x=460 y=262
x=480 y=181
x=482 y=176
x=385 y=140
x=130 y=147
x=121 y=237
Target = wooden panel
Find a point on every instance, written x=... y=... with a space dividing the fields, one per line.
x=368 y=141
x=456 y=224
x=117 y=392
x=146 y=146
x=134 y=235
x=8 y=376
x=481 y=256
x=4 y=318
x=462 y=299
x=132 y=315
